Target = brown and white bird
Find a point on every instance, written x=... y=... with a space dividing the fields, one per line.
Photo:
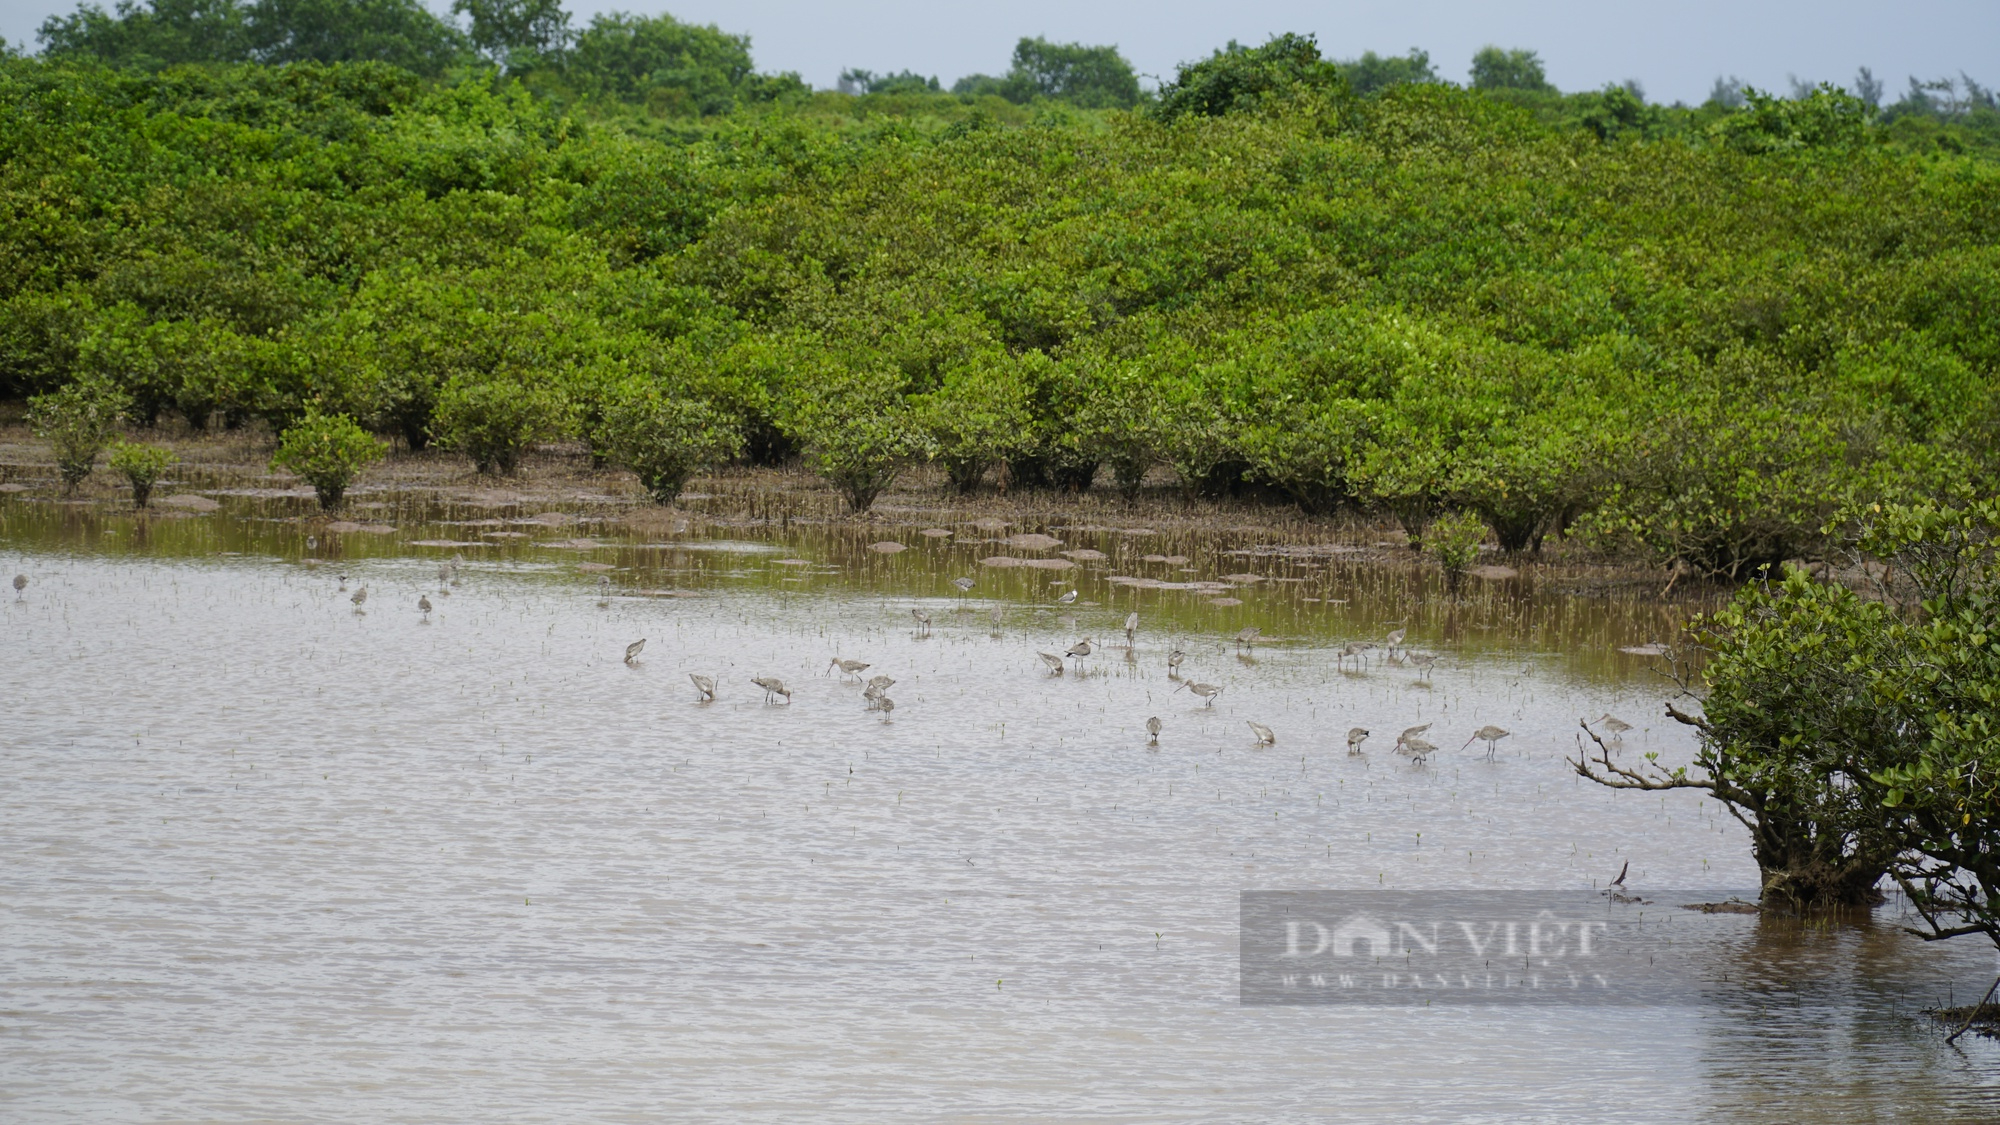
x=1409 y=733
x=633 y=650
x=1357 y=650
x=1174 y=659
x=1420 y=751
x=1265 y=736
x=1067 y=597
x=923 y=619
x=1613 y=725
x=1395 y=639
x=964 y=585
x=1153 y=730
x=877 y=685
x=20 y=584
x=703 y=684
x=1131 y=627
x=1054 y=662
x=1246 y=636
x=772 y=686
x=1355 y=737
x=358 y=597
x=1080 y=649
x=1205 y=691
x=1423 y=661
x=1488 y=734
x=424 y=606
x=848 y=667
x=886 y=706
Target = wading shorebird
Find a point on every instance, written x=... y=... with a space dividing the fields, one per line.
x=1410 y=733
x=358 y=597
x=1395 y=639
x=877 y=685
x=1248 y=635
x=1613 y=725
x=1131 y=628
x=923 y=619
x=20 y=584
x=1423 y=662
x=1265 y=736
x=444 y=576
x=1174 y=659
x=998 y=616
x=633 y=650
x=1080 y=649
x=1488 y=734
x=772 y=686
x=848 y=667
x=1357 y=650
x=1205 y=691
x=964 y=585
x=1067 y=598
x=1153 y=730
x=1420 y=751
x=1054 y=662
x=885 y=705
x=703 y=684
x=424 y=606
x=1355 y=737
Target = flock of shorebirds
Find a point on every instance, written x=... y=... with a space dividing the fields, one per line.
x=1410 y=741
x=875 y=691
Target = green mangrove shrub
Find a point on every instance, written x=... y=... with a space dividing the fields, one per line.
x=1453 y=540
x=142 y=465
x=494 y=422
x=327 y=451
x=859 y=448
x=665 y=440
x=979 y=417
x=1853 y=736
x=77 y=420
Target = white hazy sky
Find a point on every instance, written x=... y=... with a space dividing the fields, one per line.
x=1676 y=49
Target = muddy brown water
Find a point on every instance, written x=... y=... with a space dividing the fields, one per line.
x=265 y=857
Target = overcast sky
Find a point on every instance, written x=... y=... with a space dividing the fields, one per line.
x=1676 y=49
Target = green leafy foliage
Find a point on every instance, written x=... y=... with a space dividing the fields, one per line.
x=1453 y=539
x=495 y=421
x=327 y=451
x=1497 y=68
x=666 y=439
x=859 y=438
x=142 y=465
x=1855 y=737
x=1238 y=79
x=77 y=420
x=1373 y=73
x=1571 y=315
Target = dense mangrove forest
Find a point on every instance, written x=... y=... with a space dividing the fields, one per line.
x=1693 y=335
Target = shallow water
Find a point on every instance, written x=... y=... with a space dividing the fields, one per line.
x=265 y=857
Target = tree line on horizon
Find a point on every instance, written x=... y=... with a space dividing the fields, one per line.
x=678 y=69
